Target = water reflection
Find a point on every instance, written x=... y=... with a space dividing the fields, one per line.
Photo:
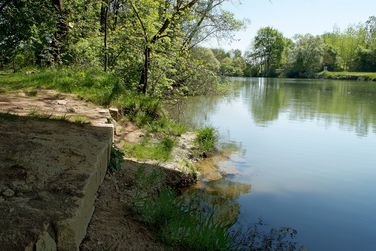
x=349 y=104
x=219 y=199
x=299 y=148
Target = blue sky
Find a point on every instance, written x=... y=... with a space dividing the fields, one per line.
x=295 y=17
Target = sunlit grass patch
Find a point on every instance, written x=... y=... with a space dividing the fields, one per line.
x=92 y=84
x=80 y=119
x=349 y=75
x=148 y=150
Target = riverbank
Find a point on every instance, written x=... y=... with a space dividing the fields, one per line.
x=361 y=76
x=139 y=204
x=144 y=137
x=174 y=172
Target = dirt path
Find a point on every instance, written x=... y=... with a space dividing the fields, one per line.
x=114 y=225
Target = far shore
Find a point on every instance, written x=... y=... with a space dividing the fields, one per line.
x=361 y=76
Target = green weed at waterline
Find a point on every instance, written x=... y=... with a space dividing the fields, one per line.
x=206 y=139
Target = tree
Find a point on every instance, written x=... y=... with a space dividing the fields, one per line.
x=306 y=56
x=208 y=20
x=26 y=30
x=267 y=51
x=154 y=30
x=175 y=27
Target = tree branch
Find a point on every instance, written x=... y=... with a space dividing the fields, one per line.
x=4 y=5
x=140 y=21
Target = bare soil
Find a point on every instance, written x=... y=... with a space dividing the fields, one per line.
x=114 y=225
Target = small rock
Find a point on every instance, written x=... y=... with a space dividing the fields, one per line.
x=118 y=130
x=71 y=110
x=8 y=192
x=103 y=111
x=61 y=102
x=114 y=112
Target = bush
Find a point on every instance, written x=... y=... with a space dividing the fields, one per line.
x=206 y=139
x=141 y=109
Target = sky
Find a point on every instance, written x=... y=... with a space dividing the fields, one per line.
x=294 y=17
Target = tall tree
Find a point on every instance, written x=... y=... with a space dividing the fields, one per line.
x=171 y=14
x=306 y=56
x=61 y=30
x=267 y=51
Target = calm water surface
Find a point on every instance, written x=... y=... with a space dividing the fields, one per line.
x=305 y=151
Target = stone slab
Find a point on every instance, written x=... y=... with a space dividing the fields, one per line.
x=50 y=172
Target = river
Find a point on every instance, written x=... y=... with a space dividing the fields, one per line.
x=305 y=155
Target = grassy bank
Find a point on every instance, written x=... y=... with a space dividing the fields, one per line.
x=94 y=85
x=105 y=89
x=179 y=223
x=366 y=76
x=192 y=224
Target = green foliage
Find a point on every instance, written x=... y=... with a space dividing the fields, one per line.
x=148 y=150
x=116 y=160
x=197 y=73
x=178 y=223
x=206 y=139
x=305 y=57
x=146 y=112
x=267 y=51
x=231 y=63
x=140 y=108
x=26 y=27
x=93 y=84
x=166 y=126
x=273 y=55
x=191 y=223
x=348 y=75
x=148 y=44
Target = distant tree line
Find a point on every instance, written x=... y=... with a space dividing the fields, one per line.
x=272 y=54
x=150 y=44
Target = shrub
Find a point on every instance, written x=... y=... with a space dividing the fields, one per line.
x=206 y=139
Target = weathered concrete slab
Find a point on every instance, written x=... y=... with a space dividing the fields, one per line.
x=50 y=102
x=50 y=172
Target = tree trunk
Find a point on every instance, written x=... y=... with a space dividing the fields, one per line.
x=145 y=71
x=61 y=33
x=105 y=41
x=104 y=29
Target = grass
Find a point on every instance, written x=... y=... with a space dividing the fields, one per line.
x=191 y=224
x=146 y=112
x=150 y=151
x=206 y=140
x=349 y=75
x=98 y=87
x=176 y=223
x=92 y=84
